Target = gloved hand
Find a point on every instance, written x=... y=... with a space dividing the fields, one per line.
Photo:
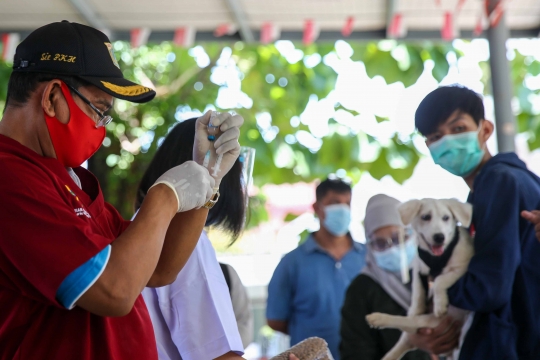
x=225 y=143
x=192 y=185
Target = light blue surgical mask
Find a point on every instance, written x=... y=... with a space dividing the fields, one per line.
x=390 y=259
x=459 y=154
x=337 y=219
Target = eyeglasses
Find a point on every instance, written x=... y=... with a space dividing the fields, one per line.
x=384 y=243
x=104 y=120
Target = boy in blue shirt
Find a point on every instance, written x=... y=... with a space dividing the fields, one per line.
x=503 y=280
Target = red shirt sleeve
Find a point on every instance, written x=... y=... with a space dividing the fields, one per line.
x=42 y=240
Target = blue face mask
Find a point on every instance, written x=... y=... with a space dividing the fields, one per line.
x=390 y=259
x=337 y=219
x=458 y=154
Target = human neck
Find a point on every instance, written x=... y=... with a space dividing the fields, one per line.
x=469 y=180
x=336 y=245
x=23 y=125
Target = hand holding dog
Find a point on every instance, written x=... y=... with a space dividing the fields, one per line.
x=534 y=218
x=440 y=340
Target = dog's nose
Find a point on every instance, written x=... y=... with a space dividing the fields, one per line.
x=438 y=238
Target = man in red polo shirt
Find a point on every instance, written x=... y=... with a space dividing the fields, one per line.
x=71 y=269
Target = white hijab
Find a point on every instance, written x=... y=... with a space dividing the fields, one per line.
x=382 y=211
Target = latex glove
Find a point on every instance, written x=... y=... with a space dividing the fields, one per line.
x=225 y=144
x=192 y=185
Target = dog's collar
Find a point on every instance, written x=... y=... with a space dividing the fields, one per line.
x=436 y=264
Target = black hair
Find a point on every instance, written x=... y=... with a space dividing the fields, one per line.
x=21 y=85
x=336 y=185
x=177 y=148
x=439 y=104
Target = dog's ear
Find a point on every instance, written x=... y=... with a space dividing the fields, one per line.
x=461 y=211
x=408 y=210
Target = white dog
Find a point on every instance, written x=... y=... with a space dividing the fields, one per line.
x=445 y=249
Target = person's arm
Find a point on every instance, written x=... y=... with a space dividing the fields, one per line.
x=358 y=340
x=440 y=340
x=241 y=307
x=487 y=284
x=180 y=241
x=133 y=258
x=135 y=253
x=280 y=294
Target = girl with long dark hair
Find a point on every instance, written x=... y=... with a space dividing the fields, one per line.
x=193 y=318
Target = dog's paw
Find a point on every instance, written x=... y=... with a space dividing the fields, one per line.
x=376 y=320
x=440 y=306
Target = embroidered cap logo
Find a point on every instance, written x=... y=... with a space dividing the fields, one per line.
x=111 y=52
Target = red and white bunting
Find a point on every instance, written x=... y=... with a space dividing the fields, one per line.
x=397 y=28
x=270 y=32
x=460 y=5
x=9 y=45
x=225 y=29
x=497 y=13
x=348 y=27
x=449 y=30
x=184 y=36
x=311 y=32
x=479 y=26
x=139 y=37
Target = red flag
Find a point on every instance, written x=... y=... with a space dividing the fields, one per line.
x=348 y=27
x=225 y=29
x=139 y=36
x=479 y=27
x=397 y=27
x=311 y=32
x=497 y=13
x=448 y=31
x=184 y=36
x=460 y=5
x=269 y=33
x=9 y=45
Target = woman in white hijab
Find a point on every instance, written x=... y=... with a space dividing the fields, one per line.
x=378 y=288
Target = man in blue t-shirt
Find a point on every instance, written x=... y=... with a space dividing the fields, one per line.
x=503 y=280
x=308 y=287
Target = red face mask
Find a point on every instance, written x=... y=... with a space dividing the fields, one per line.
x=76 y=141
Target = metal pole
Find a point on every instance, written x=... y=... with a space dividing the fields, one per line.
x=501 y=85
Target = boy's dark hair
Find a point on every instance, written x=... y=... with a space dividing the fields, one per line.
x=229 y=212
x=22 y=84
x=439 y=104
x=336 y=185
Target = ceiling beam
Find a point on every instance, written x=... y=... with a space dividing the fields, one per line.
x=240 y=17
x=90 y=15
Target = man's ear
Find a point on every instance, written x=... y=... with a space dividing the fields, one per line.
x=317 y=208
x=486 y=131
x=461 y=211
x=53 y=102
x=409 y=210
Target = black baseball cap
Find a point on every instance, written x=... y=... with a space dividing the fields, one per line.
x=72 y=49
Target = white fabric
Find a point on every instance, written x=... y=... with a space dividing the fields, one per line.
x=193 y=318
x=241 y=307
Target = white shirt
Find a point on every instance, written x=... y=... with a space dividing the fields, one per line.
x=193 y=317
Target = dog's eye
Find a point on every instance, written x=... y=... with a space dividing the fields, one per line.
x=426 y=217
x=446 y=218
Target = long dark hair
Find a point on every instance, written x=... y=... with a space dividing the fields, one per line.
x=177 y=148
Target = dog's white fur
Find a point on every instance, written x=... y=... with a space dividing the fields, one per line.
x=430 y=217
